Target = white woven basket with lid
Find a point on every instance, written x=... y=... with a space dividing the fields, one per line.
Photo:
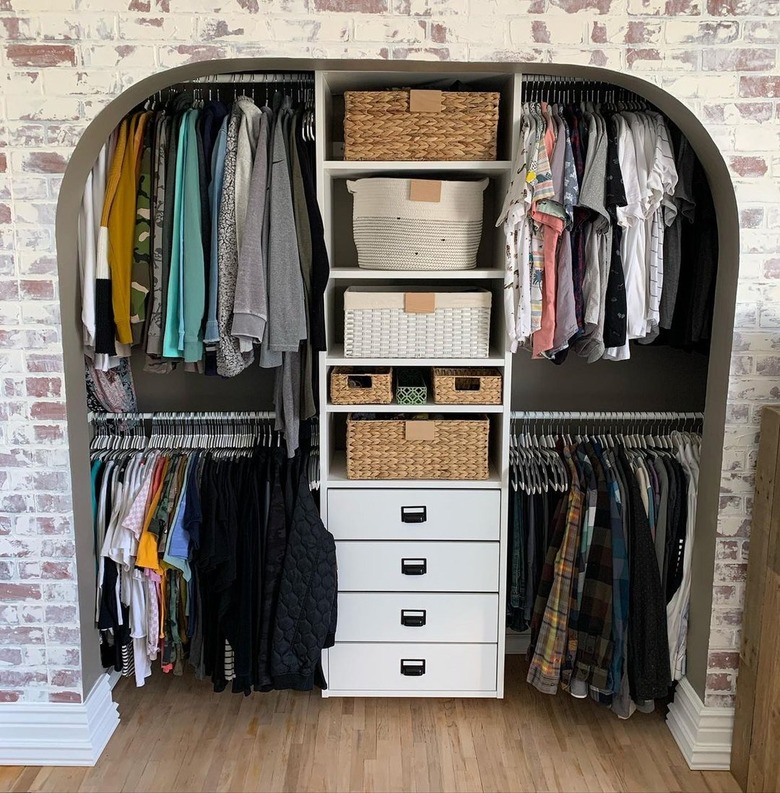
x=410 y=322
x=394 y=232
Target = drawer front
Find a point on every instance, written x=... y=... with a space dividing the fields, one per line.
x=412 y=667
x=418 y=566
x=417 y=617
x=389 y=514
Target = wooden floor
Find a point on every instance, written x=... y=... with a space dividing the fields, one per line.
x=177 y=735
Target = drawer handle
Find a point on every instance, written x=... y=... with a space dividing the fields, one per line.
x=413 y=668
x=414 y=514
x=412 y=618
x=414 y=566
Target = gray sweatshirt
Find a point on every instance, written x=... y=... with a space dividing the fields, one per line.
x=250 y=307
x=286 y=308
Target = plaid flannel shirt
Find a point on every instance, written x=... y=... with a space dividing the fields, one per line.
x=548 y=651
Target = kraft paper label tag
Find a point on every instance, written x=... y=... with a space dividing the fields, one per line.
x=425 y=101
x=428 y=190
x=420 y=431
x=419 y=302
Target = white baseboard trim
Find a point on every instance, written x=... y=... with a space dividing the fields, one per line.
x=517 y=643
x=703 y=734
x=58 y=734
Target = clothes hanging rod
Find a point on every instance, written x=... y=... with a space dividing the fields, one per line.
x=179 y=415
x=587 y=415
x=249 y=78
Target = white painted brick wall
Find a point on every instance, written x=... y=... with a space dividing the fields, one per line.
x=61 y=61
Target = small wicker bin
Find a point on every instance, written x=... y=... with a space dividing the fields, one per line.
x=412 y=323
x=467 y=386
x=418 y=449
x=410 y=387
x=361 y=385
x=420 y=125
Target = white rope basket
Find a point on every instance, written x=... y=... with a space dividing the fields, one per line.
x=394 y=232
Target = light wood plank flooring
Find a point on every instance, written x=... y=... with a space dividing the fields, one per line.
x=177 y=735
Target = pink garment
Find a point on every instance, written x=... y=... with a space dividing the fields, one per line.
x=552 y=228
x=134 y=521
x=544 y=338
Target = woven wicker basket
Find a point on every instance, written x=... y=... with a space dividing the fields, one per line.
x=379 y=324
x=360 y=385
x=467 y=386
x=380 y=125
x=393 y=449
x=393 y=231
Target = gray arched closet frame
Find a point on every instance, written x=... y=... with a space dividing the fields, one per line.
x=95 y=135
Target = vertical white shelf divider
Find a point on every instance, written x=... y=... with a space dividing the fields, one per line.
x=322 y=113
x=513 y=128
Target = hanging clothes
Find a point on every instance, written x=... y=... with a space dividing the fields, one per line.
x=595 y=191
x=600 y=551
x=201 y=243
x=217 y=560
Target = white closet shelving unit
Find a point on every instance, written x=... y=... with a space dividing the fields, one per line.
x=459 y=650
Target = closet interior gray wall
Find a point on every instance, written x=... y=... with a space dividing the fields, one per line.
x=655 y=379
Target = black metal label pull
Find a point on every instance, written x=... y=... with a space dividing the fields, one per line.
x=413 y=667
x=413 y=618
x=414 y=566
x=414 y=514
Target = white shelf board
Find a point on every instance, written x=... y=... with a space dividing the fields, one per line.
x=359 y=274
x=337 y=477
x=347 y=169
x=336 y=357
x=428 y=407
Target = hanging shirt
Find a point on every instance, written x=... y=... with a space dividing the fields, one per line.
x=89 y=230
x=174 y=315
x=121 y=229
x=550 y=214
x=246 y=147
x=513 y=221
x=156 y=306
x=193 y=286
x=211 y=335
x=104 y=311
x=141 y=283
x=286 y=305
x=250 y=306
x=631 y=218
x=230 y=360
x=548 y=651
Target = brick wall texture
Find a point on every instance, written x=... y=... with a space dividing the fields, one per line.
x=63 y=60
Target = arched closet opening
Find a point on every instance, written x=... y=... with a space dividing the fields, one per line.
x=657 y=378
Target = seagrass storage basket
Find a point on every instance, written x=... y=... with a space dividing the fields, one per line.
x=452 y=448
x=380 y=322
x=361 y=385
x=417 y=224
x=466 y=386
x=420 y=125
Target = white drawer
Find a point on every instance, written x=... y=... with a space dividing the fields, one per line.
x=417 y=617
x=388 y=514
x=418 y=566
x=391 y=667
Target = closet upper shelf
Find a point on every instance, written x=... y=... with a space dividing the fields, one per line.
x=349 y=169
x=336 y=357
x=430 y=407
x=358 y=274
